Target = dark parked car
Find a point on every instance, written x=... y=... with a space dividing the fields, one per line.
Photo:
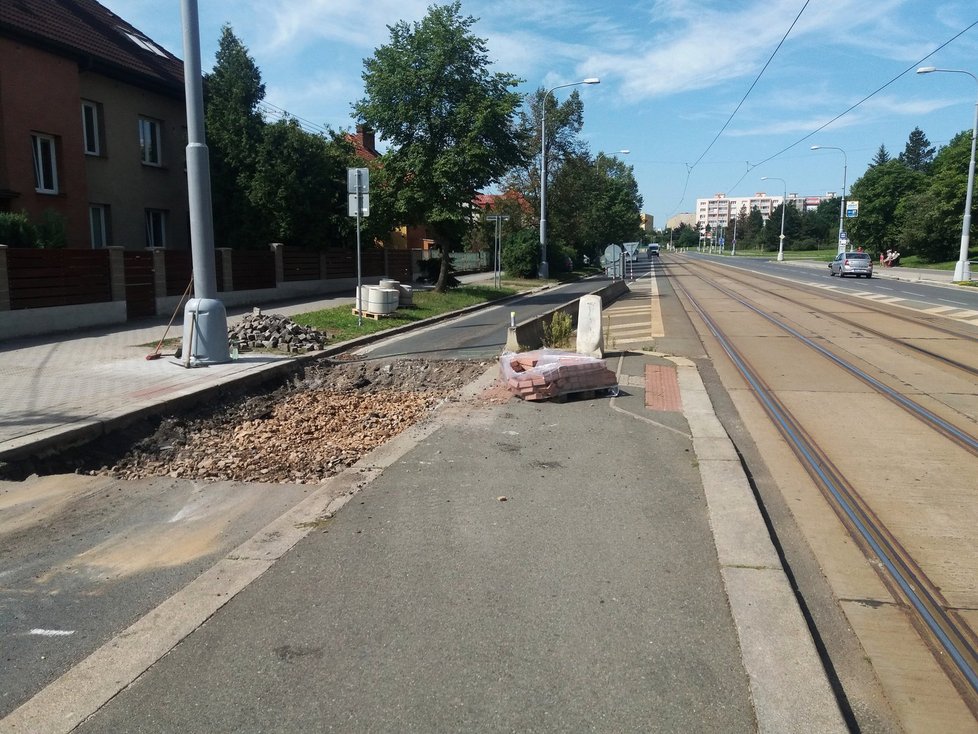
x=852 y=263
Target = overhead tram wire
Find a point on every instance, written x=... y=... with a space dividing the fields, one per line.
x=869 y=96
x=689 y=168
x=269 y=108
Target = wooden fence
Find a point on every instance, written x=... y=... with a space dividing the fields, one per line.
x=37 y=278
x=42 y=278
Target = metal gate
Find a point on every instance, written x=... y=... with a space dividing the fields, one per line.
x=140 y=285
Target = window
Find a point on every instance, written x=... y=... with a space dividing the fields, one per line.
x=155 y=228
x=143 y=42
x=92 y=128
x=98 y=221
x=149 y=142
x=45 y=164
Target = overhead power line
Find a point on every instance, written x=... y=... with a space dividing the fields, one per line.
x=869 y=96
x=689 y=169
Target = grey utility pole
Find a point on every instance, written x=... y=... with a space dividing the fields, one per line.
x=205 y=322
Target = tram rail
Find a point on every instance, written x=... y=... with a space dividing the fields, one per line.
x=952 y=640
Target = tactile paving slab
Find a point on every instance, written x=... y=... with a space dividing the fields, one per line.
x=662 y=388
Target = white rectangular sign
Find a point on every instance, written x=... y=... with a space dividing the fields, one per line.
x=364 y=206
x=357 y=180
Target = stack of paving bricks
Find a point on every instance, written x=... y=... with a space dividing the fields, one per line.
x=544 y=374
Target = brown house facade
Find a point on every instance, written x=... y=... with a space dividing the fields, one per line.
x=92 y=126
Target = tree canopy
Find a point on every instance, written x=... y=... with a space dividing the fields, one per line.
x=450 y=122
x=918 y=153
x=234 y=128
x=269 y=182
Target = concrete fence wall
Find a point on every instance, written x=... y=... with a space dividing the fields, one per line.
x=53 y=287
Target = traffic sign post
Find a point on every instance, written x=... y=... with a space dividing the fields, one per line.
x=852 y=209
x=497 y=275
x=358 y=188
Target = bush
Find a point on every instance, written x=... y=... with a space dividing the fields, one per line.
x=51 y=230
x=557 y=334
x=16 y=230
x=521 y=254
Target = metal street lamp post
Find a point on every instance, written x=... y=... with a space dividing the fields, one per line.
x=784 y=205
x=498 y=252
x=544 y=266
x=842 y=209
x=962 y=270
x=205 y=326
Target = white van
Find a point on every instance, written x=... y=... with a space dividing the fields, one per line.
x=652 y=251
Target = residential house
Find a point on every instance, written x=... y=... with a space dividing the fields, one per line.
x=92 y=125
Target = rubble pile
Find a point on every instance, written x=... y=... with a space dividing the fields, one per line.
x=306 y=438
x=272 y=331
x=322 y=422
x=549 y=373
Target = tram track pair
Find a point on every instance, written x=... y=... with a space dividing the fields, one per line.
x=953 y=642
x=917 y=320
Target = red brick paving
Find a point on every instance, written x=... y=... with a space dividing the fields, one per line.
x=662 y=388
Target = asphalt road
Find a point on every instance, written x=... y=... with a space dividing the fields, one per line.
x=83 y=557
x=482 y=334
x=589 y=600
x=818 y=274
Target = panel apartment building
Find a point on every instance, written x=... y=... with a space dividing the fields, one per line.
x=720 y=209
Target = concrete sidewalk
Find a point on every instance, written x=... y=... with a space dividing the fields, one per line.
x=66 y=387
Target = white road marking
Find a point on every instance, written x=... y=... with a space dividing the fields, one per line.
x=52 y=633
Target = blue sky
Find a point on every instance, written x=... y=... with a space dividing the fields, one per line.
x=672 y=72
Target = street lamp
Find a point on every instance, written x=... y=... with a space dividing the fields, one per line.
x=544 y=266
x=962 y=270
x=784 y=205
x=842 y=209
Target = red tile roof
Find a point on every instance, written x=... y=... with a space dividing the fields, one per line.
x=95 y=36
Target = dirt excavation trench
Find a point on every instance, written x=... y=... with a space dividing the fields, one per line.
x=323 y=420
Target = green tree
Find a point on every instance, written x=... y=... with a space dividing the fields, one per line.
x=750 y=230
x=595 y=203
x=881 y=157
x=931 y=216
x=299 y=185
x=234 y=127
x=771 y=233
x=879 y=192
x=520 y=257
x=449 y=121
x=686 y=236
x=564 y=123
x=918 y=153
x=820 y=224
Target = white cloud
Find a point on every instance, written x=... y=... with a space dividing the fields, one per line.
x=291 y=26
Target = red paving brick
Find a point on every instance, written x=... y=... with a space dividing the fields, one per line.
x=662 y=388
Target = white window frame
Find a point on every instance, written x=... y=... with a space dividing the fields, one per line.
x=45 y=170
x=91 y=128
x=143 y=42
x=156 y=228
x=98 y=214
x=150 y=140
